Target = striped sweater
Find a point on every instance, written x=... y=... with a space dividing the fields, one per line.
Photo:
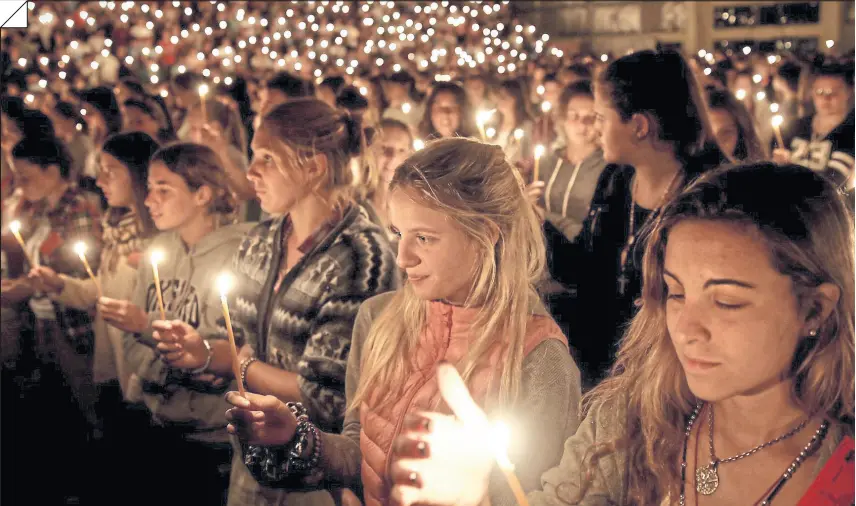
x=305 y=327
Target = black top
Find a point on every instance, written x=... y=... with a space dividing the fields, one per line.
x=597 y=310
x=831 y=155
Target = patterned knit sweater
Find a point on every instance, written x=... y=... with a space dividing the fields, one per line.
x=305 y=327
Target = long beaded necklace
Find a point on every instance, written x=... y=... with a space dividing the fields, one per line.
x=623 y=278
x=706 y=483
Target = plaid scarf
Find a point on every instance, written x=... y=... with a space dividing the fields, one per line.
x=122 y=235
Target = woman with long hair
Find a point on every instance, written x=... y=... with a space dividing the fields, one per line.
x=126 y=228
x=448 y=113
x=655 y=139
x=734 y=382
x=733 y=128
x=300 y=278
x=472 y=249
x=514 y=131
x=191 y=203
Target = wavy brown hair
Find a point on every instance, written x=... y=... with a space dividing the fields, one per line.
x=809 y=232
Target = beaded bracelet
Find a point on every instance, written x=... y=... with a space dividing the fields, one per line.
x=245 y=364
x=273 y=464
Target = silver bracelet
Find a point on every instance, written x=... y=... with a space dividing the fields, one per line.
x=207 y=364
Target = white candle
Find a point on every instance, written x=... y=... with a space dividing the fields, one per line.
x=80 y=249
x=15 y=228
x=224 y=284
x=156 y=258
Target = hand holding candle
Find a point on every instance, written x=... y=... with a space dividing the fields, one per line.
x=15 y=228
x=157 y=257
x=224 y=284
x=80 y=249
x=462 y=450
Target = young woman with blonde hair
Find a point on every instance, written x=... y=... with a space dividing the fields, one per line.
x=734 y=383
x=472 y=249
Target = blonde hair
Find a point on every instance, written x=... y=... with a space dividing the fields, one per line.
x=809 y=231
x=476 y=187
x=310 y=127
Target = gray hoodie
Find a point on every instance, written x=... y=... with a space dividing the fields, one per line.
x=187 y=277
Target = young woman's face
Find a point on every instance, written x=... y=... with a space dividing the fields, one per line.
x=34 y=181
x=392 y=148
x=733 y=319
x=446 y=114
x=580 y=126
x=616 y=135
x=437 y=255
x=114 y=179
x=172 y=204
x=275 y=181
x=830 y=95
x=137 y=120
x=724 y=128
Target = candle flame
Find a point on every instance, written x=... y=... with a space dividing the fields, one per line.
x=157 y=257
x=546 y=106
x=418 y=144
x=740 y=94
x=224 y=283
x=80 y=248
x=539 y=151
x=15 y=227
x=483 y=116
x=778 y=120
x=203 y=90
x=405 y=108
x=518 y=133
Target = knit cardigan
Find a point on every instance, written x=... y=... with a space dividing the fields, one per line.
x=306 y=327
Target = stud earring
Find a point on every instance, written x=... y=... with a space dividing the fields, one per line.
x=812 y=333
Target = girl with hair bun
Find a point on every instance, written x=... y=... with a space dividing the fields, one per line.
x=472 y=248
x=300 y=278
x=191 y=203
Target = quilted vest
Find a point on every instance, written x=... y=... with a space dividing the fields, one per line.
x=446 y=337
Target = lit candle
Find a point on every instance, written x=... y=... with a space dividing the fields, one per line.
x=539 y=152
x=481 y=118
x=518 y=134
x=157 y=257
x=203 y=91
x=418 y=144
x=80 y=249
x=546 y=106
x=777 y=124
x=15 y=228
x=405 y=108
x=503 y=435
x=740 y=94
x=224 y=284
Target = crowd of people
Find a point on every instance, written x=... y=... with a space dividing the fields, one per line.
x=606 y=249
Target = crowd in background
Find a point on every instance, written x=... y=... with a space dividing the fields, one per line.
x=141 y=127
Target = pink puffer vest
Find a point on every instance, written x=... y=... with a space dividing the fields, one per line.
x=447 y=337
